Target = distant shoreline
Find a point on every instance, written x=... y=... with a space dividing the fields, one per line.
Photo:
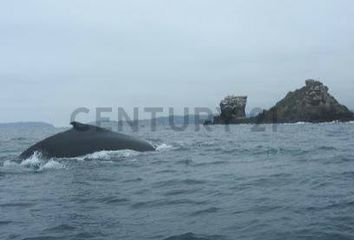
x=24 y=124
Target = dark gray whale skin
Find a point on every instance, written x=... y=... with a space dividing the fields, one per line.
x=83 y=139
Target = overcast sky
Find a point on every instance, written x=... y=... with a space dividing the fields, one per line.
x=56 y=56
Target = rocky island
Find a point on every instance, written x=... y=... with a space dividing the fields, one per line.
x=311 y=103
x=232 y=110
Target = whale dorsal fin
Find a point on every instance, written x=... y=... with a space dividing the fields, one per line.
x=84 y=127
x=80 y=126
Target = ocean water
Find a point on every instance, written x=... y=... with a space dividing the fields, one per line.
x=294 y=181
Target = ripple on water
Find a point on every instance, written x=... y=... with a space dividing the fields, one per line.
x=42 y=238
x=212 y=163
x=205 y=211
x=60 y=228
x=113 y=200
x=295 y=185
x=178 y=182
x=132 y=180
x=18 y=204
x=167 y=202
x=180 y=192
x=5 y=222
x=192 y=236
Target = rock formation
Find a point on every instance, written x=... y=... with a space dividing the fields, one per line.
x=312 y=103
x=232 y=110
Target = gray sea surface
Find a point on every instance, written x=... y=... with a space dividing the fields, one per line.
x=294 y=181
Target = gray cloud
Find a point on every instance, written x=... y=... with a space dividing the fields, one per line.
x=59 y=55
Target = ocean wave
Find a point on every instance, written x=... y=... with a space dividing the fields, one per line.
x=51 y=164
x=288 y=123
x=192 y=236
x=179 y=182
x=167 y=202
x=173 y=146
x=108 y=155
x=319 y=123
x=5 y=222
x=60 y=228
x=204 y=211
x=35 y=162
x=119 y=154
x=164 y=147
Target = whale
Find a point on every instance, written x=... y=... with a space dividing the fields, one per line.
x=84 y=139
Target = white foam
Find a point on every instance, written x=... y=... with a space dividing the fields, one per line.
x=292 y=124
x=51 y=164
x=163 y=147
x=107 y=155
x=34 y=162
x=333 y=122
x=96 y=155
x=9 y=164
x=127 y=153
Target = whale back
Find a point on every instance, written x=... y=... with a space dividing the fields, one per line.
x=84 y=139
